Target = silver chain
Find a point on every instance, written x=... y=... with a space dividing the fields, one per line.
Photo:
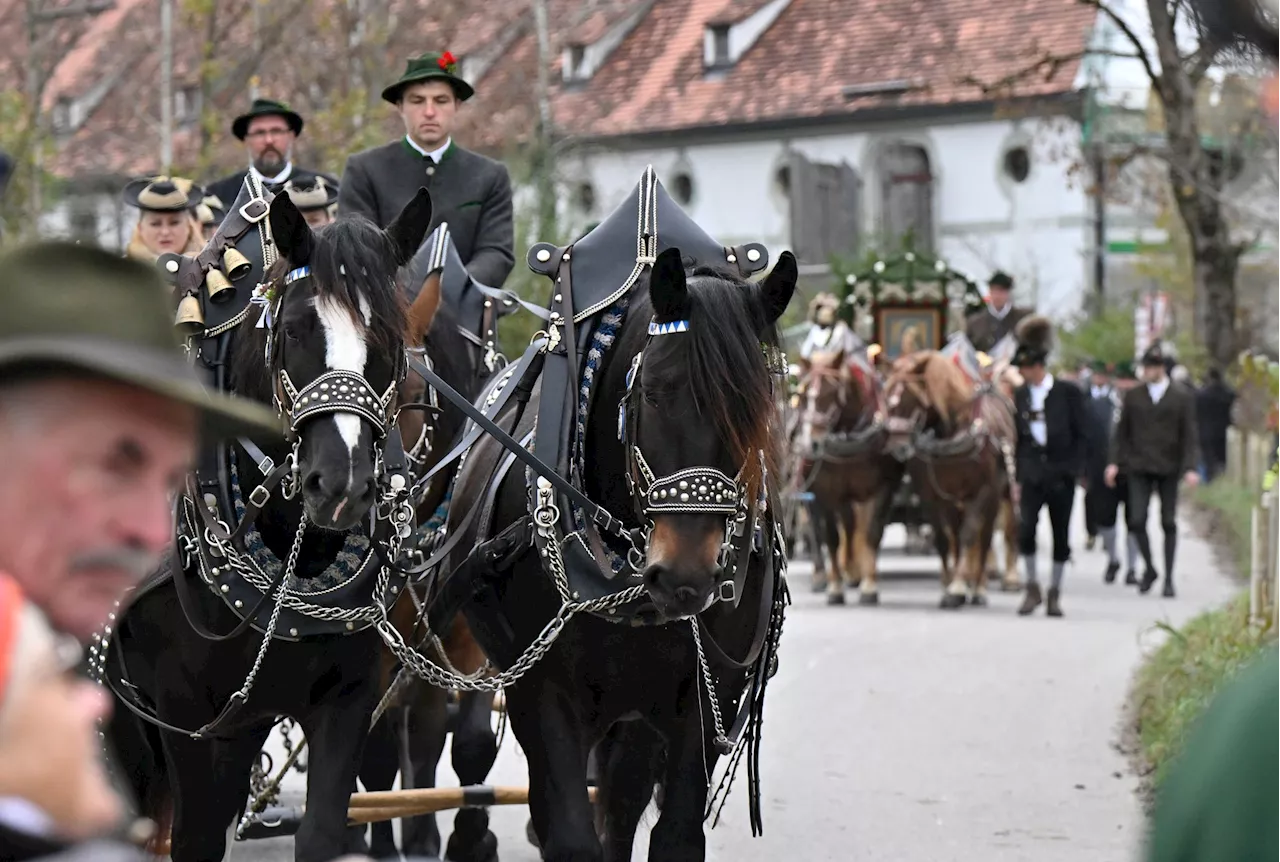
x=721 y=740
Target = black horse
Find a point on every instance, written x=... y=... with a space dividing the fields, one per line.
x=334 y=314
x=702 y=399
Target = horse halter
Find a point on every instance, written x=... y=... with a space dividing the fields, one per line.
x=689 y=491
x=334 y=391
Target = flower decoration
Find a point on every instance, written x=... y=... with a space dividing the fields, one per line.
x=448 y=62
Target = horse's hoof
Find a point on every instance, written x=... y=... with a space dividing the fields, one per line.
x=978 y=601
x=868 y=598
x=950 y=602
x=835 y=598
x=818 y=585
x=485 y=849
x=1010 y=587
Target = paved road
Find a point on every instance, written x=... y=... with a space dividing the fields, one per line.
x=907 y=733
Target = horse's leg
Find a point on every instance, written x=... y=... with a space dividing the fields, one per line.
x=475 y=748
x=864 y=553
x=378 y=772
x=678 y=836
x=1010 y=583
x=210 y=781
x=834 y=547
x=336 y=732
x=555 y=745
x=426 y=729
x=817 y=543
x=630 y=756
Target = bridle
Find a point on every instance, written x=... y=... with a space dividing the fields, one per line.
x=698 y=490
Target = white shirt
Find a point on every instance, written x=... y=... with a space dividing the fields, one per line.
x=1000 y=313
x=1157 y=390
x=26 y=817
x=278 y=178
x=1039 y=429
x=1101 y=392
x=435 y=155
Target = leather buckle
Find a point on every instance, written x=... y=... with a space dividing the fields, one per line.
x=727 y=591
x=259 y=496
x=255 y=210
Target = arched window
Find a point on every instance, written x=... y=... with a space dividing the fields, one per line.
x=906 y=195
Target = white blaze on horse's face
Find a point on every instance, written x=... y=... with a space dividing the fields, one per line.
x=344 y=350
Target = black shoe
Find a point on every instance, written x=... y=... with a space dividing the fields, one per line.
x=1149 y=578
x=1168 y=591
x=1112 y=568
x=1030 y=601
x=1054 y=608
x=1131 y=578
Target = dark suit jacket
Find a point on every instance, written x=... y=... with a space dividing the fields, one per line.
x=229 y=186
x=984 y=330
x=1213 y=413
x=1100 y=419
x=1156 y=438
x=469 y=191
x=1063 y=457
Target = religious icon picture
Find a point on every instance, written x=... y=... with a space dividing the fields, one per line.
x=908 y=329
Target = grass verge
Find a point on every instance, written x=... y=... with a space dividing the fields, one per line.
x=1227 y=510
x=1175 y=685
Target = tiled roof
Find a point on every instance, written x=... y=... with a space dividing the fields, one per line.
x=818 y=58
x=801 y=65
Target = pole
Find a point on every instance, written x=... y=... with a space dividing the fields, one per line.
x=1100 y=227
x=166 y=85
x=34 y=88
x=545 y=161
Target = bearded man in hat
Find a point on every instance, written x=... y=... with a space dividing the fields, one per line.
x=268 y=130
x=470 y=192
x=1050 y=459
x=999 y=318
x=1155 y=447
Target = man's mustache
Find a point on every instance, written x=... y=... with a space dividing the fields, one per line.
x=134 y=562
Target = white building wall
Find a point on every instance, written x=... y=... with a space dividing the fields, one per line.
x=1040 y=231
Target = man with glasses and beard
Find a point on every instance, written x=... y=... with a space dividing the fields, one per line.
x=269 y=130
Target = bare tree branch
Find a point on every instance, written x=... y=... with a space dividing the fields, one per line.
x=1129 y=34
x=1198 y=62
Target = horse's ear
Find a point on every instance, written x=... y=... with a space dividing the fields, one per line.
x=408 y=229
x=423 y=311
x=292 y=234
x=667 y=288
x=780 y=285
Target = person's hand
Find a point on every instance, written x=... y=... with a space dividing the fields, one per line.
x=1110 y=476
x=1192 y=478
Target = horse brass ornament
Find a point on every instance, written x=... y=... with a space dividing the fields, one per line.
x=218 y=286
x=235 y=264
x=190 y=319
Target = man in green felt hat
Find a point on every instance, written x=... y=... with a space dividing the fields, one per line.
x=269 y=130
x=470 y=192
x=99 y=414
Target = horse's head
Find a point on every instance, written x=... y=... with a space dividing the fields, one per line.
x=835 y=394
x=925 y=392
x=700 y=420
x=335 y=350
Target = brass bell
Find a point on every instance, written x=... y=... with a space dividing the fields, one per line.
x=189 y=319
x=235 y=264
x=217 y=285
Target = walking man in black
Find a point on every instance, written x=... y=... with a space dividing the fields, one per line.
x=1051 y=422
x=1213 y=410
x=1155 y=447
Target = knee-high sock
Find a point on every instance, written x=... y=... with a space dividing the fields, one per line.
x=1059 y=569
x=1029 y=562
x=1133 y=550
x=1109 y=543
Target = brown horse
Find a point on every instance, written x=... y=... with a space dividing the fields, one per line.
x=840 y=448
x=956 y=439
x=1005 y=378
x=416 y=721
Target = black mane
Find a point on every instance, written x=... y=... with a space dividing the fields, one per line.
x=727 y=369
x=351 y=258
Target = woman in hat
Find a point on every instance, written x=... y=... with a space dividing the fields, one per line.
x=315 y=198
x=210 y=212
x=168 y=221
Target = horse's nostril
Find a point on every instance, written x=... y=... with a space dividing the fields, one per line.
x=314 y=484
x=685 y=594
